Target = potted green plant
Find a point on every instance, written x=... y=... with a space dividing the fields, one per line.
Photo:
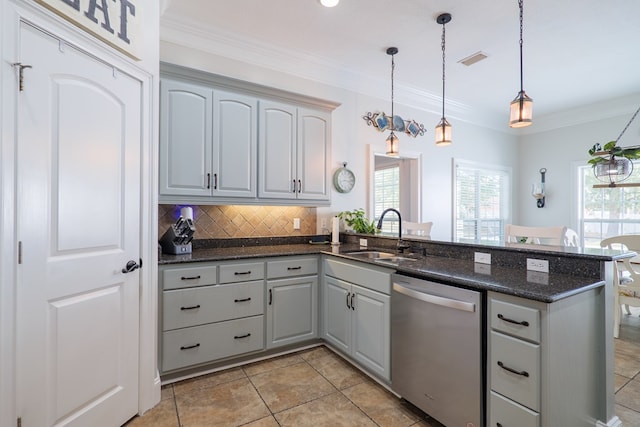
x=358 y=222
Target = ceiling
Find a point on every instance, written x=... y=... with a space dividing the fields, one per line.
x=575 y=52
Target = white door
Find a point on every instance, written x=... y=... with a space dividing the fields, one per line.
x=78 y=177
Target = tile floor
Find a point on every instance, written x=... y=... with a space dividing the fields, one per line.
x=316 y=387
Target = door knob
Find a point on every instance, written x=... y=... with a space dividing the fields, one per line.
x=131 y=266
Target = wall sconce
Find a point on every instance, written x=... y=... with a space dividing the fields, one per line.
x=537 y=190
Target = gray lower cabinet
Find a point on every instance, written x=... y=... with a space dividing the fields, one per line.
x=356 y=313
x=292 y=300
x=537 y=356
x=210 y=311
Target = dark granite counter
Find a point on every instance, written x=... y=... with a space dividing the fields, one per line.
x=570 y=271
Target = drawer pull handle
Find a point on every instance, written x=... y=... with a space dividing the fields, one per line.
x=239 y=273
x=498 y=425
x=190 y=278
x=515 y=322
x=193 y=307
x=237 y=337
x=187 y=347
x=513 y=371
x=294 y=268
x=270 y=296
x=353 y=307
x=348 y=294
x=242 y=300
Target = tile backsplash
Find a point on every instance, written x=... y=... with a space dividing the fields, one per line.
x=224 y=222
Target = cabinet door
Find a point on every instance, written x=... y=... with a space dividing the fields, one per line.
x=235 y=145
x=313 y=154
x=277 y=151
x=337 y=313
x=370 y=339
x=292 y=310
x=185 y=139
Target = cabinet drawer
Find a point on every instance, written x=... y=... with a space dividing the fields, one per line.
x=201 y=344
x=506 y=413
x=197 y=306
x=509 y=354
x=363 y=275
x=292 y=267
x=514 y=319
x=241 y=272
x=176 y=278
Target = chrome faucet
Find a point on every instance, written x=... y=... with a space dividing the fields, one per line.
x=401 y=245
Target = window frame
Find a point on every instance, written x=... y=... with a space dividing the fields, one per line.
x=507 y=205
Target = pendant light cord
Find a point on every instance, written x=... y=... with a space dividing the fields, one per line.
x=521 y=5
x=443 y=71
x=393 y=66
x=627 y=126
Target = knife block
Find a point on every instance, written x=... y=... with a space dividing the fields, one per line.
x=169 y=245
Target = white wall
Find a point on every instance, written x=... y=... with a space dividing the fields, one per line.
x=558 y=151
x=350 y=135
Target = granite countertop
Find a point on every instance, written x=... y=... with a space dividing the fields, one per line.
x=458 y=271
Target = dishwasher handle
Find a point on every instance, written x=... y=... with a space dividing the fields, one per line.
x=435 y=299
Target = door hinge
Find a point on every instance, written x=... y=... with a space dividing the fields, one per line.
x=20 y=252
x=19 y=423
x=21 y=68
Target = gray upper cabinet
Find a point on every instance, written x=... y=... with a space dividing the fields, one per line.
x=294 y=152
x=186 y=122
x=208 y=142
x=235 y=145
x=223 y=141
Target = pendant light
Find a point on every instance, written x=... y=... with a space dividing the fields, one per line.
x=443 y=129
x=521 y=110
x=392 y=140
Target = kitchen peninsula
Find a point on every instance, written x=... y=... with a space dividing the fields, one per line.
x=567 y=346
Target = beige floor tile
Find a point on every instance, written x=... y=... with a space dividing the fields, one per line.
x=263 y=422
x=166 y=392
x=619 y=382
x=627 y=365
x=333 y=410
x=289 y=386
x=164 y=414
x=379 y=404
x=629 y=395
x=270 y=364
x=314 y=353
x=339 y=372
x=210 y=380
x=428 y=423
x=230 y=404
x=628 y=417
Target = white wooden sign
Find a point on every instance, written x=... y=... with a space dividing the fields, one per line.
x=116 y=22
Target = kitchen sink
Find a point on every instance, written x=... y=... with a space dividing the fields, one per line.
x=379 y=256
x=371 y=254
x=393 y=259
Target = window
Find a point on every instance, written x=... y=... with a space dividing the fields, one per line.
x=606 y=212
x=481 y=202
x=387 y=194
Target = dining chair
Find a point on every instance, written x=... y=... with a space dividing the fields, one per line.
x=536 y=235
x=571 y=238
x=417 y=229
x=626 y=275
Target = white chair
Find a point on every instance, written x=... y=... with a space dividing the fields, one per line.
x=626 y=275
x=417 y=229
x=536 y=235
x=571 y=238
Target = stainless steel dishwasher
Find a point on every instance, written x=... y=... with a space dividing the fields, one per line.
x=437 y=350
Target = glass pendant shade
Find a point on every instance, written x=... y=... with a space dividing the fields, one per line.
x=443 y=133
x=392 y=145
x=521 y=111
x=614 y=170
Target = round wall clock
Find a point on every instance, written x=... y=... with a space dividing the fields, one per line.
x=344 y=179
